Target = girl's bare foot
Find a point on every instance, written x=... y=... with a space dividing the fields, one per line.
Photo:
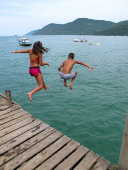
x=29 y=96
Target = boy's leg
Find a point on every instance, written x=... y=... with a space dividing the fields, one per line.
x=65 y=83
x=41 y=85
x=72 y=81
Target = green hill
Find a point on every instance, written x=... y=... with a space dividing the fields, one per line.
x=81 y=26
x=120 y=28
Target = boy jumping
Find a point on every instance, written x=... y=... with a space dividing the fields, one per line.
x=66 y=68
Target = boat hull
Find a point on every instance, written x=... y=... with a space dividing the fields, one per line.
x=25 y=44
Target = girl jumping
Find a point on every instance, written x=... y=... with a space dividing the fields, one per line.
x=36 y=60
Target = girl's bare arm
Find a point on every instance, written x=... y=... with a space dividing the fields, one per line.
x=41 y=61
x=21 y=51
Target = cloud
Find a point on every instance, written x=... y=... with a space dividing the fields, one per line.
x=23 y=16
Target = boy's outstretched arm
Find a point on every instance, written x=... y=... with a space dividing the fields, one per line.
x=21 y=51
x=84 y=64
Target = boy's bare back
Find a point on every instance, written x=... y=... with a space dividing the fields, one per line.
x=67 y=66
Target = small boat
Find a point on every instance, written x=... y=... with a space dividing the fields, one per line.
x=93 y=43
x=24 y=42
x=79 y=40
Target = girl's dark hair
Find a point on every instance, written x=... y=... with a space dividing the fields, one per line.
x=71 y=55
x=38 y=48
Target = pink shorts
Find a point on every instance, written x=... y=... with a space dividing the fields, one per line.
x=34 y=71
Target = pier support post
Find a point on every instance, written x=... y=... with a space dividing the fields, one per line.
x=123 y=160
x=9 y=97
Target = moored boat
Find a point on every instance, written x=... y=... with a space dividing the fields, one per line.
x=80 y=40
x=24 y=42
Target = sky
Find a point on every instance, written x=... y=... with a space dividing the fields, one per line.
x=19 y=17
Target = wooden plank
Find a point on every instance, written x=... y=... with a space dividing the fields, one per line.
x=10 y=109
x=8 y=124
x=2 y=102
x=73 y=158
x=10 y=114
x=15 y=116
x=101 y=165
x=20 y=139
x=18 y=132
x=87 y=162
x=59 y=156
x=16 y=126
x=15 y=151
x=3 y=96
x=45 y=154
x=4 y=107
x=14 y=163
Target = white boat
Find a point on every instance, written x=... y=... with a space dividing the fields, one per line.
x=93 y=43
x=24 y=42
x=79 y=40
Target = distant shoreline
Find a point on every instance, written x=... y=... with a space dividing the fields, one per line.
x=7 y=36
x=84 y=26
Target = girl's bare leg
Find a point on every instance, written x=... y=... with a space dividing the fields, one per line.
x=72 y=81
x=38 y=82
x=41 y=85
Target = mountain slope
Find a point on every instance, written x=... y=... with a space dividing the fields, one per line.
x=120 y=28
x=78 y=27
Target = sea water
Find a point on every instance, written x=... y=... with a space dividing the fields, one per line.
x=93 y=113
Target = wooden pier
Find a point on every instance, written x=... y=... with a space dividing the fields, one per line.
x=27 y=143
